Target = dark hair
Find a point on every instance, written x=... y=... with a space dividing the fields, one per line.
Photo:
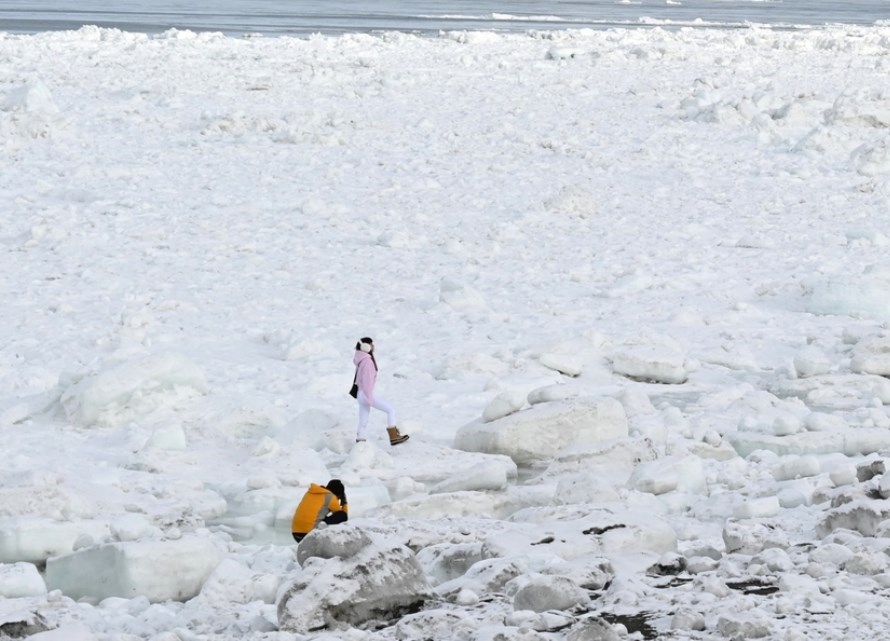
x=364 y=339
x=335 y=486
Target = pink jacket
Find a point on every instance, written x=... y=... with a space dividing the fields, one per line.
x=366 y=374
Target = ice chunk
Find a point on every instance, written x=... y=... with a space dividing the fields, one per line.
x=540 y=592
x=865 y=295
x=36 y=539
x=20 y=580
x=69 y=632
x=872 y=356
x=811 y=361
x=796 y=467
x=653 y=363
x=503 y=404
x=446 y=561
x=365 y=578
x=685 y=474
x=551 y=393
x=757 y=508
x=232 y=582
x=542 y=431
x=863 y=516
x=157 y=570
x=436 y=624
x=490 y=475
x=751 y=536
x=567 y=364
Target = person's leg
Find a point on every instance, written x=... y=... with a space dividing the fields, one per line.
x=383 y=406
x=363 y=411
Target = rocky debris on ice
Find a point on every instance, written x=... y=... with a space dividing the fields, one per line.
x=350 y=577
x=21 y=624
x=575 y=531
x=543 y=431
x=466 y=504
x=859 y=515
x=435 y=624
x=157 y=570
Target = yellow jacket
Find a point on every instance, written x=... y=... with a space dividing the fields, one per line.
x=317 y=503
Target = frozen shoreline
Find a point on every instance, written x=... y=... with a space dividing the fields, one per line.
x=650 y=262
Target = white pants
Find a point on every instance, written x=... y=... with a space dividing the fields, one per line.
x=364 y=409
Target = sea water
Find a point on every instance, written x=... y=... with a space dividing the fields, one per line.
x=300 y=17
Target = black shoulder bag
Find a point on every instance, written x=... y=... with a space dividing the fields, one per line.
x=353 y=391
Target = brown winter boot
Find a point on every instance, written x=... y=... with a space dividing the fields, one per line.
x=394 y=437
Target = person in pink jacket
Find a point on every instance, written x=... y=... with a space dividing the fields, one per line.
x=363 y=391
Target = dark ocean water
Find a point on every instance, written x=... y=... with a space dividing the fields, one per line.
x=299 y=17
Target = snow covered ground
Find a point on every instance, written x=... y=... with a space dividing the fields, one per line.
x=630 y=291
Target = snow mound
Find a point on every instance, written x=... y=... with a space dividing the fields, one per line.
x=860 y=109
x=157 y=570
x=544 y=430
x=573 y=200
x=460 y=297
x=118 y=394
x=350 y=577
x=28 y=112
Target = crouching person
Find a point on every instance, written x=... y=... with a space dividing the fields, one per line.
x=320 y=504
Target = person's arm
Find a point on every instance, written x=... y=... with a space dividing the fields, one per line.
x=339 y=510
x=365 y=379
